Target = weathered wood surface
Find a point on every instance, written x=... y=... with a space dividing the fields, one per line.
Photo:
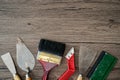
x=93 y=23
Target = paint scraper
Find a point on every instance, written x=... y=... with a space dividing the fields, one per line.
x=86 y=59
x=7 y=59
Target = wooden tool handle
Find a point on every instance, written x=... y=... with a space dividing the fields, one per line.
x=28 y=77
x=16 y=77
x=79 y=77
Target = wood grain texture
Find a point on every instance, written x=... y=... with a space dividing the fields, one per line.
x=92 y=23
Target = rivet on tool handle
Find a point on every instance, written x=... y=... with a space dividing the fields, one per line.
x=16 y=77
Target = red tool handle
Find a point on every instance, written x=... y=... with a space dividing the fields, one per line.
x=47 y=67
x=71 y=69
x=45 y=75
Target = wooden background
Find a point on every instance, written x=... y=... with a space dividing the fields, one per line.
x=92 y=23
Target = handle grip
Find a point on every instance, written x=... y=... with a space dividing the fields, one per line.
x=16 y=77
x=28 y=77
x=79 y=77
x=45 y=75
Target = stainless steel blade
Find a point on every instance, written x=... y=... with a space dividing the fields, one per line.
x=25 y=59
x=7 y=59
x=86 y=58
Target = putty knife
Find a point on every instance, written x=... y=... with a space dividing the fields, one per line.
x=7 y=59
x=86 y=59
x=25 y=59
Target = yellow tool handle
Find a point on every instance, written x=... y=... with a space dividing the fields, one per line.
x=16 y=77
x=79 y=77
x=28 y=77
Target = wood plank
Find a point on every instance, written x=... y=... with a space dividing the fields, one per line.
x=91 y=21
x=63 y=30
x=32 y=9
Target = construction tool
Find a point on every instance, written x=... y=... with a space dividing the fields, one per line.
x=49 y=55
x=25 y=59
x=71 y=66
x=102 y=67
x=86 y=59
x=7 y=59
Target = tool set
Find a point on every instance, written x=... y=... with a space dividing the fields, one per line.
x=50 y=54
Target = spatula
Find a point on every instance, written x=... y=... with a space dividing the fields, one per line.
x=7 y=59
x=86 y=58
x=25 y=59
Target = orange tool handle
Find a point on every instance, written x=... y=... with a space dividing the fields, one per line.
x=28 y=77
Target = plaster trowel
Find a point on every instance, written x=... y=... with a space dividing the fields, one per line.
x=7 y=59
x=25 y=59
